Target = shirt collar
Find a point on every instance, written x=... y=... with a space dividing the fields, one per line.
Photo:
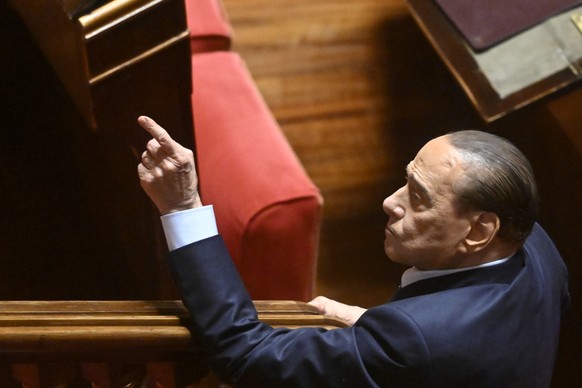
x=413 y=274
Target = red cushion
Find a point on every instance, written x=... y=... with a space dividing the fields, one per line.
x=208 y=24
x=267 y=208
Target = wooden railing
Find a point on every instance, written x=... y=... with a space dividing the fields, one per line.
x=115 y=343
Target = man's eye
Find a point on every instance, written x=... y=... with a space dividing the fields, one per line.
x=417 y=201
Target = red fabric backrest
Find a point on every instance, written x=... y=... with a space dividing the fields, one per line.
x=209 y=27
x=262 y=195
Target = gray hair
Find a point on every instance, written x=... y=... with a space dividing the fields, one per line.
x=497 y=178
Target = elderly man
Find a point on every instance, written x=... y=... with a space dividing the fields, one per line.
x=480 y=305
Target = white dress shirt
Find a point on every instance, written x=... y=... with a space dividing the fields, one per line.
x=188 y=226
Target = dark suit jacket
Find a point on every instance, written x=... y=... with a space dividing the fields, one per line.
x=490 y=327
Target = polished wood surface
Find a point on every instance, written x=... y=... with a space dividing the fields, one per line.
x=116 y=343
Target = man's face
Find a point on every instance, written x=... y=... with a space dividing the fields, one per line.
x=425 y=229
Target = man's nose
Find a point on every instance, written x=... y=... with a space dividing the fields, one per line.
x=393 y=204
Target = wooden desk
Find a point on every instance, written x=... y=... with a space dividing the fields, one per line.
x=459 y=58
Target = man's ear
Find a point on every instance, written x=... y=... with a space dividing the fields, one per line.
x=484 y=228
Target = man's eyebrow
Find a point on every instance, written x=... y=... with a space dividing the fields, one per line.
x=417 y=185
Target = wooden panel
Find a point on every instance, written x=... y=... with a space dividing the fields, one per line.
x=106 y=60
x=96 y=235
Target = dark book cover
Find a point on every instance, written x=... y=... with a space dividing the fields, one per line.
x=485 y=23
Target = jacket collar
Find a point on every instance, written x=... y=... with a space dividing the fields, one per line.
x=502 y=273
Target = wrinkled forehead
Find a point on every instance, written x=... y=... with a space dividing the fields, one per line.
x=438 y=162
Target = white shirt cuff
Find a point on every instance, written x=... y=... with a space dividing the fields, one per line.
x=188 y=226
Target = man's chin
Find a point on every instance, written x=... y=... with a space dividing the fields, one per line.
x=393 y=255
x=390 y=253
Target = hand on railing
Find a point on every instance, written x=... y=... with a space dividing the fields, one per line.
x=340 y=311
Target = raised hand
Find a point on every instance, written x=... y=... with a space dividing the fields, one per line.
x=167 y=171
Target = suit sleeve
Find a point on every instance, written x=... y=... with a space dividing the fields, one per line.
x=384 y=348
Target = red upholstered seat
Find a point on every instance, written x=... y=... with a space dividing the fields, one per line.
x=267 y=208
x=208 y=24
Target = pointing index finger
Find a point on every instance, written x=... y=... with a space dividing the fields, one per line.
x=160 y=134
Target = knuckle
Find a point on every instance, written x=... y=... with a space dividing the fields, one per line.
x=162 y=137
x=153 y=146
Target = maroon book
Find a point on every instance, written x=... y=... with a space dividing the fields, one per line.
x=485 y=23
